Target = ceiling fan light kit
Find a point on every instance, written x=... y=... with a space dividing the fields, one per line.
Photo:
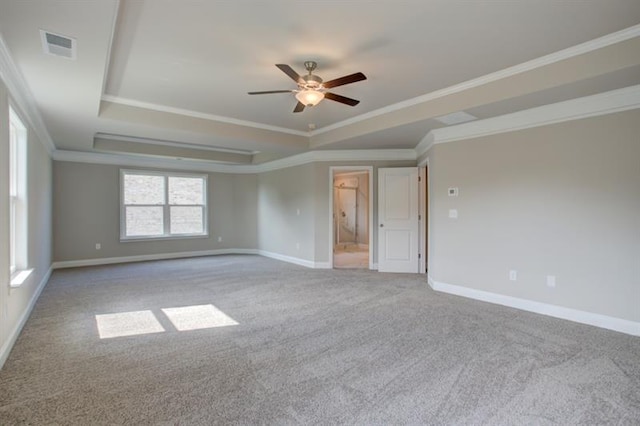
x=309 y=97
x=311 y=89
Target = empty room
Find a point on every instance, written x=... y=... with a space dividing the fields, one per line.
x=312 y=212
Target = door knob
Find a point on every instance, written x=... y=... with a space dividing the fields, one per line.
x=382 y=225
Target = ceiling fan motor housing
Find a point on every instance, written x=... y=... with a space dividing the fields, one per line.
x=311 y=82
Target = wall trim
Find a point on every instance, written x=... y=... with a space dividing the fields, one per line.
x=22 y=97
x=201 y=115
x=203 y=166
x=425 y=144
x=288 y=259
x=145 y=257
x=575 y=109
x=575 y=315
x=570 y=52
x=185 y=254
x=13 y=335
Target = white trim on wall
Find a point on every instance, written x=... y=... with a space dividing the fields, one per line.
x=575 y=109
x=179 y=255
x=575 y=315
x=146 y=257
x=203 y=166
x=589 y=46
x=590 y=106
x=295 y=260
x=13 y=335
x=195 y=114
x=22 y=96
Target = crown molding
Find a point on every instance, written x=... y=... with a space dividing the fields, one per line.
x=579 y=49
x=542 y=61
x=589 y=106
x=425 y=144
x=201 y=115
x=131 y=160
x=337 y=155
x=162 y=142
x=204 y=166
x=22 y=97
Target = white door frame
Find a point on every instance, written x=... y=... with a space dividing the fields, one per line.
x=425 y=225
x=343 y=169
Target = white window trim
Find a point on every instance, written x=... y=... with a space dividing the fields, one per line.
x=18 y=238
x=166 y=207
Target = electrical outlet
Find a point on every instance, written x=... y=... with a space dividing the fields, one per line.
x=453 y=213
x=98 y=246
x=551 y=281
x=297 y=212
x=219 y=239
x=298 y=246
x=513 y=275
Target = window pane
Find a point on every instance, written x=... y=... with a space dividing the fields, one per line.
x=143 y=189
x=141 y=221
x=186 y=220
x=185 y=190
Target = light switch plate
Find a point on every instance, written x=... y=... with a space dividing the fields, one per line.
x=453 y=213
x=453 y=192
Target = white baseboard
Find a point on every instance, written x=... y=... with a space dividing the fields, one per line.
x=13 y=335
x=145 y=257
x=178 y=255
x=583 y=317
x=289 y=259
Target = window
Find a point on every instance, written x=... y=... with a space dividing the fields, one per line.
x=162 y=205
x=17 y=194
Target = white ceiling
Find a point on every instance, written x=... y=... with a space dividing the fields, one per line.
x=180 y=71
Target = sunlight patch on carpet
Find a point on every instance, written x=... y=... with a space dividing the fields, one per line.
x=127 y=324
x=198 y=317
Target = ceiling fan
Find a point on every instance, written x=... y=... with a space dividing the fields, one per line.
x=311 y=89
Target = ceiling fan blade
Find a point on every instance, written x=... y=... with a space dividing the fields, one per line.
x=270 y=91
x=299 y=107
x=290 y=72
x=341 y=99
x=347 y=79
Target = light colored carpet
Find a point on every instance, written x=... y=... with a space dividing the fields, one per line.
x=309 y=347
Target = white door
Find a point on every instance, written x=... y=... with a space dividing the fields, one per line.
x=398 y=225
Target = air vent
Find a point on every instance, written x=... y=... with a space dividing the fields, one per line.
x=456 y=118
x=58 y=45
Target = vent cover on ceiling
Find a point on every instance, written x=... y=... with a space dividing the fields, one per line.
x=456 y=118
x=58 y=45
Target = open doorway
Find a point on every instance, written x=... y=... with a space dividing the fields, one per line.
x=351 y=218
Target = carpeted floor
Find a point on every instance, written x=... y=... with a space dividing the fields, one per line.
x=309 y=347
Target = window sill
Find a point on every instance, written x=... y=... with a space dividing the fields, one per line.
x=19 y=277
x=162 y=238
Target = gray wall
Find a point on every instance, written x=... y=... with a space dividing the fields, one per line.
x=281 y=194
x=86 y=211
x=559 y=200
x=14 y=302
